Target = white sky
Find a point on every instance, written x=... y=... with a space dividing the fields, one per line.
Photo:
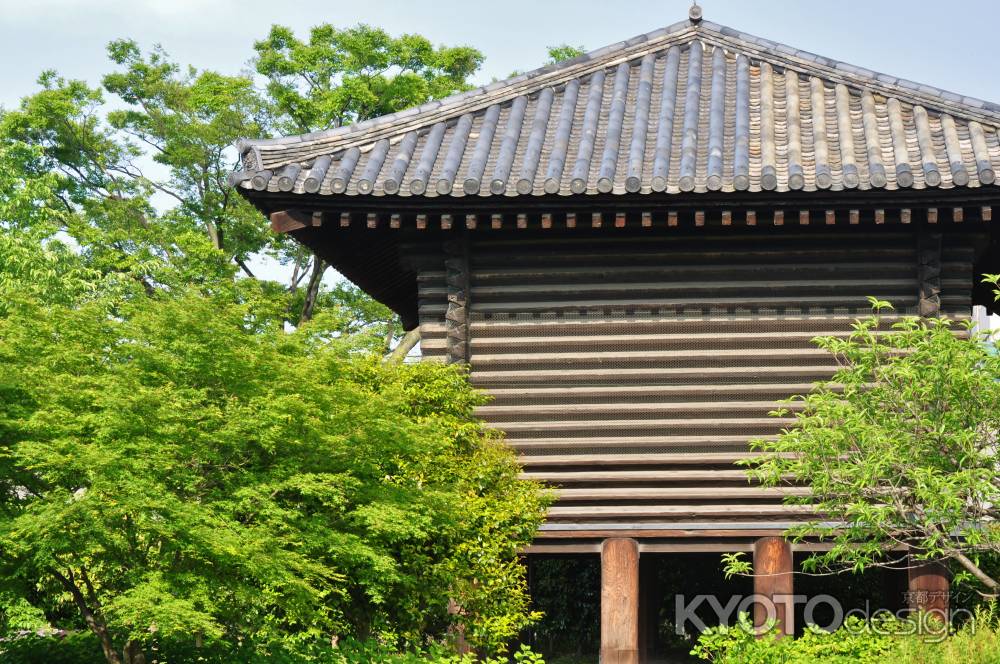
x=952 y=45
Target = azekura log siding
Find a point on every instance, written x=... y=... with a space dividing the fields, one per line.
x=630 y=370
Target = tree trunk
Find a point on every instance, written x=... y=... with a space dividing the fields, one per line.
x=134 y=653
x=403 y=348
x=92 y=616
x=312 y=290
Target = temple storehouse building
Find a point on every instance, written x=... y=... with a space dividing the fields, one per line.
x=632 y=251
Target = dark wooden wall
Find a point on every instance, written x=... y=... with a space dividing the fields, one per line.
x=631 y=370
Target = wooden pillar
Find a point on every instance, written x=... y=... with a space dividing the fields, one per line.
x=772 y=569
x=456 y=319
x=619 y=602
x=928 y=273
x=929 y=588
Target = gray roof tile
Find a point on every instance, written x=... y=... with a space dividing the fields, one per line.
x=635 y=117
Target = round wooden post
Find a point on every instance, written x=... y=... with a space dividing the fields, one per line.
x=773 y=581
x=620 y=602
x=929 y=588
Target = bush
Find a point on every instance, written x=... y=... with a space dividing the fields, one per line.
x=890 y=639
x=84 y=648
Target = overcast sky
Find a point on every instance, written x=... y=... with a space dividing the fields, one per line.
x=951 y=45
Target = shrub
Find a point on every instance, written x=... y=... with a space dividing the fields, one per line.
x=886 y=640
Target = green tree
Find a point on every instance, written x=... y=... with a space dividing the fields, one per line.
x=342 y=76
x=899 y=448
x=564 y=52
x=188 y=469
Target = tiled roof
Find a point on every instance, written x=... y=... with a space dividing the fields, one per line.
x=694 y=107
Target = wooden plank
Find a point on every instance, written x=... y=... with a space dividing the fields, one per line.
x=674 y=510
x=623 y=440
x=682 y=493
x=614 y=476
x=772 y=423
x=613 y=410
x=656 y=459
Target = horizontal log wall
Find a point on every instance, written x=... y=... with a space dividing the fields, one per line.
x=631 y=371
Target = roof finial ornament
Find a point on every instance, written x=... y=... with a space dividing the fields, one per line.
x=695 y=12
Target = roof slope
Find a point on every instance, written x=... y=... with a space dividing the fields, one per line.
x=694 y=107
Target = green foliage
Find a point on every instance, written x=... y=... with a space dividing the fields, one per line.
x=856 y=642
x=564 y=52
x=899 y=448
x=188 y=467
x=342 y=76
x=83 y=648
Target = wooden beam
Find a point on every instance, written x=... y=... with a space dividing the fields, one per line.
x=619 y=601
x=284 y=221
x=772 y=579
